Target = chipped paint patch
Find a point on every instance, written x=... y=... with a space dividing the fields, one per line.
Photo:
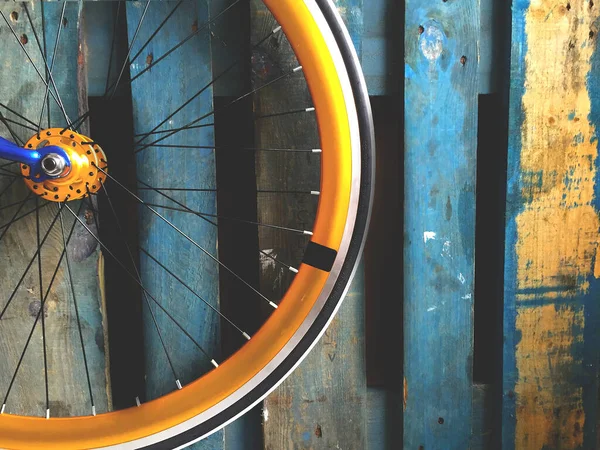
x=428 y=235
x=431 y=42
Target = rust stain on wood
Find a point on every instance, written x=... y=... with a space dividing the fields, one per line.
x=558 y=228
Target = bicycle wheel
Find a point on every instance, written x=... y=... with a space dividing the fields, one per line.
x=71 y=167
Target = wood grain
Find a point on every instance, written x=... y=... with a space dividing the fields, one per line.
x=440 y=107
x=551 y=285
x=68 y=390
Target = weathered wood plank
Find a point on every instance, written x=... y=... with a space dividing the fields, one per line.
x=441 y=41
x=551 y=320
x=22 y=90
x=323 y=404
x=156 y=94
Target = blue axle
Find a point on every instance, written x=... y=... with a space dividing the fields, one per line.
x=33 y=158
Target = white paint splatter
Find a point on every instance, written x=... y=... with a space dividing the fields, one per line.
x=428 y=235
x=466 y=297
x=266 y=262
x=446 y=250
x=265 y=415
x=461 y=278
x=432 y=43
x=433 y=308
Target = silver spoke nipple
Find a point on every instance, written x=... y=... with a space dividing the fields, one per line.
x=178 y=383
x=214 y=363
x=246 y=335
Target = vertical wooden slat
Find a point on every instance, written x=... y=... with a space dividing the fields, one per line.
x=156 y=94
x=440 y=171
x=22 y=90
x=323 y=404
x=551 y=320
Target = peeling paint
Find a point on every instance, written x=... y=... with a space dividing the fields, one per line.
x=557 y=230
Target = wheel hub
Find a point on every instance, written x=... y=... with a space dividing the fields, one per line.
x=70 y=178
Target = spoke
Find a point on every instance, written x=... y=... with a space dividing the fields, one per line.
x=7 y=187
x=233 y=102
x=202 y=215
x=85 y=361
x=153 y=35
x=28 y=198
x=294 y=111
x=194 y=243
x=234 y=149
x=118 y=261
x=76 y=123
x=112 y=45
x=31 y=261
x=246 y=335
x=14 y=122
x=42 y=48
x=190 y=36
x=24 y=215
x=287 y=266
x=260 y=191
x=20 y=116
x=6 y=121
x=39 y=258
x=126 y=62
x=213 y=81
x=8 y=173
x=157 y=328
x=40 y=313
x=8 y=164
x=58 y=102
x=58 y=32
x=204 y=125
x=274 y=31
x=176 y=189
x=13 y=220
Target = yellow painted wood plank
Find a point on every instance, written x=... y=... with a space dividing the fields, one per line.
x=550 y=361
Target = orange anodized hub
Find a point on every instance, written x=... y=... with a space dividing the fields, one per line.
x=81 y=178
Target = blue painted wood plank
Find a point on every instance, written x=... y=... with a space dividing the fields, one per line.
x=155 y=94
x=552 y=318
x=441 y=41
x=22 y=90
